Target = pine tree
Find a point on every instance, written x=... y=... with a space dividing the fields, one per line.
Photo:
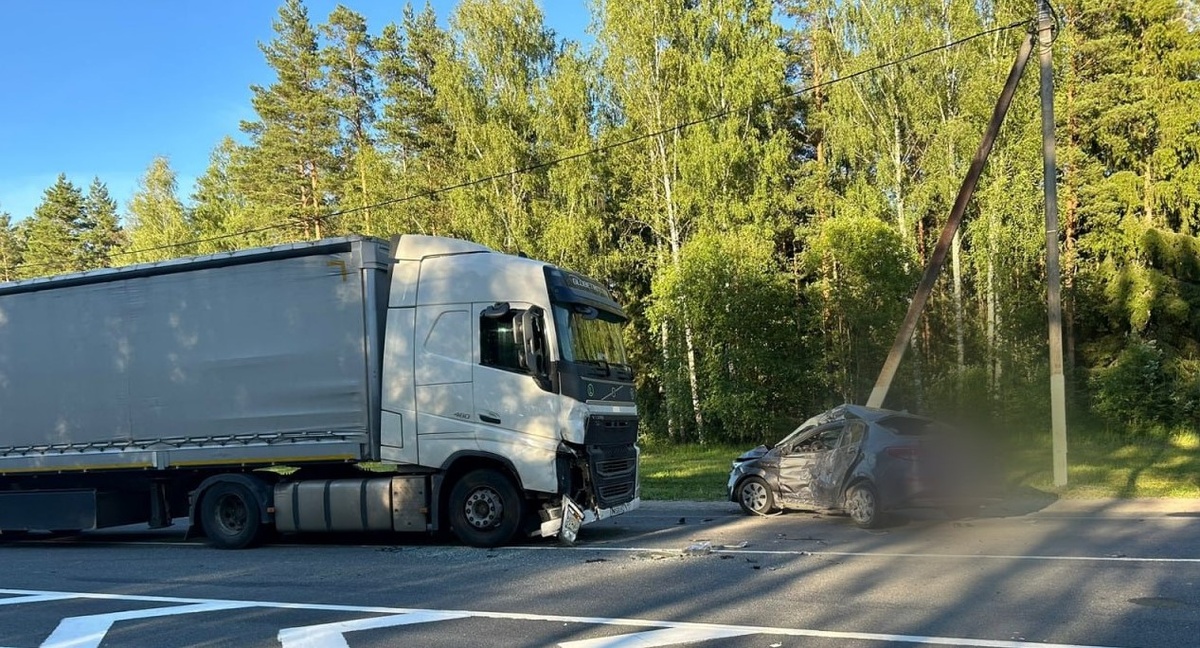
x=103 y=235
x=349 y=57
x=290 y=172
x=53 y=242
x=410 y=122
x=158 y=228
x=412 y=128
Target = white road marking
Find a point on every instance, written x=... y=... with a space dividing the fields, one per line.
x=35 y=598
x=202 y=605
x=652 y=638
x=332 y=635
x=855 y=554
x=89 y=631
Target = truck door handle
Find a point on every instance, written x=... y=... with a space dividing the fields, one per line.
x=489 y=419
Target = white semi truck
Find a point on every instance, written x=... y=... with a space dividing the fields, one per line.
x=343 y=385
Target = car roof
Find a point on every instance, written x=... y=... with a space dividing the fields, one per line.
x=849 y=410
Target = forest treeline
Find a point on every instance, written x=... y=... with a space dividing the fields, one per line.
x=767 y=251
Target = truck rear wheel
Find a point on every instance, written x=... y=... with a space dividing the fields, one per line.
x=231 y=516
x=485 y=509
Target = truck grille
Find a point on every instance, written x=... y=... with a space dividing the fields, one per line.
x=616 y=494
x=615 y=467
x=612 y=459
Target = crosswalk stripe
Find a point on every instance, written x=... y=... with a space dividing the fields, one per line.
x=332 y=635
x=89 y=631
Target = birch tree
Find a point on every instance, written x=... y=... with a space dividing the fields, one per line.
x=668 y=64
x=158 y=226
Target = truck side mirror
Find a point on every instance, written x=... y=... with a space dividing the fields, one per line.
x=529 y=331
x=531 y=341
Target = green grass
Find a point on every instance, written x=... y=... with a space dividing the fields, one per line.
x=687 y=472
x=1107 y=465
x=1099 y=464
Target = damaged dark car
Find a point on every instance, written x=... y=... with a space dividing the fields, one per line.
x=866 y=462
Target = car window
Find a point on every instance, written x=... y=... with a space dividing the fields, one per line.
x=820 y=440
x=854 y=434
x=790 y=440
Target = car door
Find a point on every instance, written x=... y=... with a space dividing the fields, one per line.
x=833 y=466
x=798 y=465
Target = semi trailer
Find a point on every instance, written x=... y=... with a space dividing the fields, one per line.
x=344 y=385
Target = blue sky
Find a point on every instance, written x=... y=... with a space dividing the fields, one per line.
x=98 y=89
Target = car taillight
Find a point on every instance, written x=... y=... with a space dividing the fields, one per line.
x=908 y=453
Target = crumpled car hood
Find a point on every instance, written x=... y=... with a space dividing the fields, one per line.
x=751 y=455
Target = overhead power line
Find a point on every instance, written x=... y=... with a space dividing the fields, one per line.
x=581 y=154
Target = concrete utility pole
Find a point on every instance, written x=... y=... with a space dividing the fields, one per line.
x=1058 y=400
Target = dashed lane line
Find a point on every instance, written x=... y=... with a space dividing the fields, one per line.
x=664 y=637
x=91 y=633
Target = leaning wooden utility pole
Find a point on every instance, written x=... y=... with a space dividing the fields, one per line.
x=1058 y=400
x=938 y=258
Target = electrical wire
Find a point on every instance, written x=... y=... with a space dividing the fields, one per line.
x=581 y=154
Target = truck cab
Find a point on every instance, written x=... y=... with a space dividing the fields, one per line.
x=498 y=368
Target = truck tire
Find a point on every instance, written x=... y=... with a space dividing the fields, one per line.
x=485 y=509
x=230 y=516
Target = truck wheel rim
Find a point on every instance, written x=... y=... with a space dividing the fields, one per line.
x=484 y=508
x=754 y=496
x=231 y=514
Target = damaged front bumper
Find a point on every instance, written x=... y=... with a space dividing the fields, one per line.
x=565 y=520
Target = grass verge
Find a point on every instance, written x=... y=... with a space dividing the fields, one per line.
x=686 y=472
x=1107 y=465
x=1098 y=465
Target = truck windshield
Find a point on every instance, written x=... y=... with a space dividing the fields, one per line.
x=584 y=337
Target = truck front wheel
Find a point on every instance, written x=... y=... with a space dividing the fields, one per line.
x=485 y=509
x=231 y=517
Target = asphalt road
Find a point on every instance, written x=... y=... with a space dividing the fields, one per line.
x=1100 y=573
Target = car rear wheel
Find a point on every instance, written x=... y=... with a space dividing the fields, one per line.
x=755 y=497
x=862 y=504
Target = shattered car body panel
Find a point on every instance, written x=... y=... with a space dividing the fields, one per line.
x=866 y=461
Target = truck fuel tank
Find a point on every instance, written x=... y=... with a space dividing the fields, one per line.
x=375 y=504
